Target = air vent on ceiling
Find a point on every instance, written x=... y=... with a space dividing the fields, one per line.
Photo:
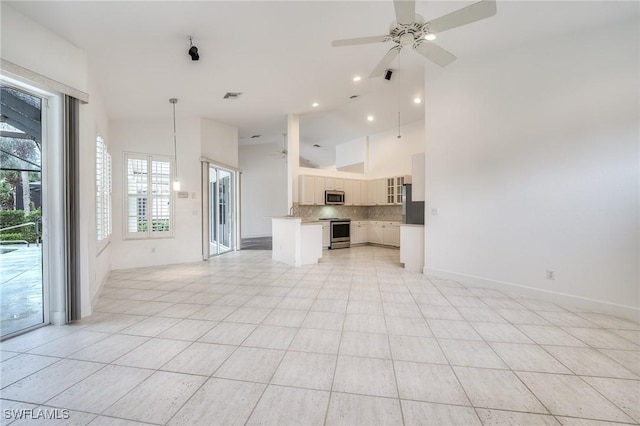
x=353 y=96
x=232 y=95
x=255 y=136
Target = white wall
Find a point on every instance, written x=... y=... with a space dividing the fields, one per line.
x=219 y=142
x=264 y=187
x=30 y=45
x=390 y=156
x=95 y=264
x=156 y=137
x=353 y=156
x=196 y=138
x=532 y=162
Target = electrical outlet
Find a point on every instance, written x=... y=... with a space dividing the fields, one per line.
x=153 y=249
x=551 y=275
x=434 y=212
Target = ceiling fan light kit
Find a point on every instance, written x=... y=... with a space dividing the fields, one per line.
x=410 y=29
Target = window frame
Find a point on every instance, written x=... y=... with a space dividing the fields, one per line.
x=104 y=193
x=148 y=197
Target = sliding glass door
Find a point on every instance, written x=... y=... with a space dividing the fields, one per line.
x=23 y=295
x=221 y=210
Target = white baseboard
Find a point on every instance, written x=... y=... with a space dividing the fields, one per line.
x=626 y=311
x=256 y=236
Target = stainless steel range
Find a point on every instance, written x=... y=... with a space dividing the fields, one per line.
x=340 y=233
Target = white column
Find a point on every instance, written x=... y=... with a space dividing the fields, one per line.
x=293 y=157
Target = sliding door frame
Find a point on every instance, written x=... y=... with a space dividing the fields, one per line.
x=206 y=165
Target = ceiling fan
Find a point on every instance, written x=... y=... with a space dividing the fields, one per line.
x=283 y=152
x=410 y=29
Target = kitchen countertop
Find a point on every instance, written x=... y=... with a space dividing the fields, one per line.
x=352 y=220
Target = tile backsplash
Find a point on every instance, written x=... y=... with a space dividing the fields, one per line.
x=351 y=212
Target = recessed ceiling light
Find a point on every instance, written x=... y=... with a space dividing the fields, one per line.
x=430 y=36
x=357 y=78
x=315 y=104
x=417 y=100
x=370 y=118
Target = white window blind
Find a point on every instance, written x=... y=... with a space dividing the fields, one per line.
x=149 y=210
x=103 y=190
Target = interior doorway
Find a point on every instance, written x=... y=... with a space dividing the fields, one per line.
x=23 y=288
x=222 y=209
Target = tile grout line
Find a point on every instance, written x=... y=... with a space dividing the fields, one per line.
x=475 y=410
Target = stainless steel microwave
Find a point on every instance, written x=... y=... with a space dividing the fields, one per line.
x=334 y=197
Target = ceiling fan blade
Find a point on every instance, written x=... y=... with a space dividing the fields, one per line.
x=360 y=40
x=405 y=11
x=475 y=12
x=384 y=63
x=435 y=53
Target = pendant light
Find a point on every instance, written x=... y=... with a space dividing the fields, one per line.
x=176 y=182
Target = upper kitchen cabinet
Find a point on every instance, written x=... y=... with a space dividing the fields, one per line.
x=356 y=194
x=364 y=193
x=390 y=191
x=400 y=181
x=311 y=190
x=349 y=199
x=319 y=188
x=334 y=184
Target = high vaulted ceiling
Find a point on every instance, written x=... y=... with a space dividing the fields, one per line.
x=279 y=55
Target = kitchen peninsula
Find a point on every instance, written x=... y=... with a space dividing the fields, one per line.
x=296 y=243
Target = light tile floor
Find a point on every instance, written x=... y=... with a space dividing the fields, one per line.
x=354 y=340
x=20 y=287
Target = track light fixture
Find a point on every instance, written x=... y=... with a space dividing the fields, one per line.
x=193 y=51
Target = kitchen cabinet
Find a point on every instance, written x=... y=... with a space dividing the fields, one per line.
x=391 y=234
x=359 y=232
x=364 y=193
x=306 y=190
x=377 y=192
x=311 y=190
x=348 y=193
x=319 y=188
x=384 y=233
x=390 y=191
x=326 y=235
x=330 y=184
x=354 y=187
x=400 y=181
x=376 y=232
x=334 y=184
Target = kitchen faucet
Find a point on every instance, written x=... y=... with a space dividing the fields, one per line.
x=291 y=211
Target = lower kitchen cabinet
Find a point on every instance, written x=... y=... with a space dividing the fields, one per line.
x=384 y=233
x=391 y=234
x=359 y=232
x=376 y=232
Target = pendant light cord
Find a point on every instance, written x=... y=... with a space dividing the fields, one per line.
x=399 y=90
x=174 y=101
